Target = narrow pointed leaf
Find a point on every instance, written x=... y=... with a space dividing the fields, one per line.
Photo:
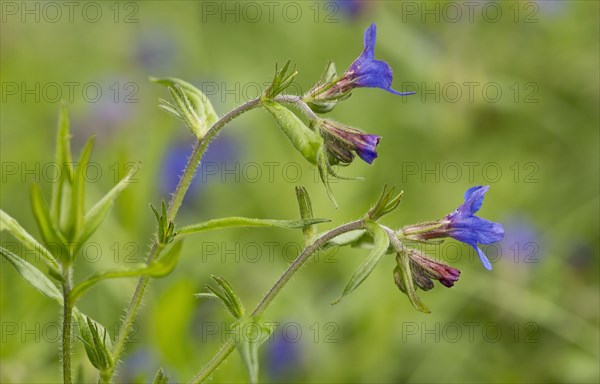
x=33 y=276
x=226 y=300
x=94 y=217
x=64 y=161
x=160 y=378
x=96 y=341
x=353 y=238
x=201 y=105
x=51 y=235
x=7 y=223
x=206 y=295
x=231 y=295
x=306 y=213
x=381 y=244
x=157 y=268
x=76 y=213
x=230 y=222
x=403 y=277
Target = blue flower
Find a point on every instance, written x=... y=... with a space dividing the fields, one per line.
x=341 y=141
x=365 y=71
x=464 y=226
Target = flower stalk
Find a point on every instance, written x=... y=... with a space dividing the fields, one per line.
x=67 y=324
x=260 y=308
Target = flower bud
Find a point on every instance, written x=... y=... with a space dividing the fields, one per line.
x=342 y=142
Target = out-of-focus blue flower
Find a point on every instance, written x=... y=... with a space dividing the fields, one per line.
x=462 y=225
x=521 y=241
x=155 y=49
x=221 y=151
x=283 y=360
x=341 y=141
x=350 y=8
x=138 y=367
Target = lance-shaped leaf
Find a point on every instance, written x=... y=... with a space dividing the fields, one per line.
x=76 y=212
x=281 y=80
x=356 y=238
x=160 y=378
x=166 y=228
x=388 y=201
x=190 y=105
x=306 y=213
x=230 y=222
x=33 y=276
x=64 y=161
x=404 y=280
x=157 y=268
x=249 y=334
x=95 y=215
x=326 y=81
x=96 y=341
x=226 y=294
x=51 y=235
x=7 y=223
x=381 y=244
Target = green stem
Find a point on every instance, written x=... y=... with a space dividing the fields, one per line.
x=174 y=205
x=300 y=104
x=228 y=347
x=67 y=323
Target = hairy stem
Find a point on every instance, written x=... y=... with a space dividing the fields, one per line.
x=174 y=205
x=229 y=346
x=67 y=326
x=300 y=104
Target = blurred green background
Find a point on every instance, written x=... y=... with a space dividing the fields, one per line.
x=507 y=96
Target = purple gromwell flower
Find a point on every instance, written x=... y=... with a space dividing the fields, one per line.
x=464 y=226
x=365 y=71
x=342 y=140
x=424 y=269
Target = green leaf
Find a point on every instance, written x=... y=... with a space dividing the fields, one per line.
x=328 y=77
x=7 y=223
x=190 y=104
x=281 y=80
x=381 y=244
x=306 y=213
x=356 y=238
x=160 y=377
x=306 y=141
x=249 y=334
x=94 y=217
x=387 y=202
x=96 y=341
x=64 y=161
x=51 y=235
x=229 y=222
x=404 y=281
x=157 y=268
x=33 y=276
x=76 y=212
x=226 y=294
